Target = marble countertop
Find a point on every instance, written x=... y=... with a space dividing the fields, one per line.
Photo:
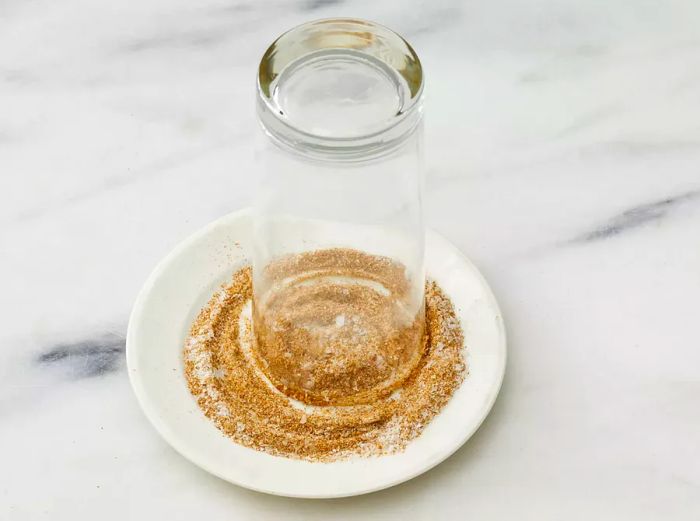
x=563 y=145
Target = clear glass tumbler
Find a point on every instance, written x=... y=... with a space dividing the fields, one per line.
x=338 y=274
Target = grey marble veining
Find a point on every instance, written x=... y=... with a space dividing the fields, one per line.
x=87 y=358
x=563 y=151
x=638 y=216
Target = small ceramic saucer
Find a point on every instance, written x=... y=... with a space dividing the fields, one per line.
x=182 y=284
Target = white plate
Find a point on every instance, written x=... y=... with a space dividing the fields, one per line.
x=182 y=284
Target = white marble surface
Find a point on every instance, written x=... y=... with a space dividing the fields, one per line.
x=564 y=151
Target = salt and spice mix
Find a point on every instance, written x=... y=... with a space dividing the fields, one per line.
x=293 y=408
x=337 y=326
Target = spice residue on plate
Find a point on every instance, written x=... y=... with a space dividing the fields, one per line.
x=233 y=391
x=337 y=326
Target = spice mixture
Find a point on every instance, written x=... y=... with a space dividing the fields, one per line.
x=337 y=326
x=225 y=373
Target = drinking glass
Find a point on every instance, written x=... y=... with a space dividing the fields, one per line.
x=338 y=269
